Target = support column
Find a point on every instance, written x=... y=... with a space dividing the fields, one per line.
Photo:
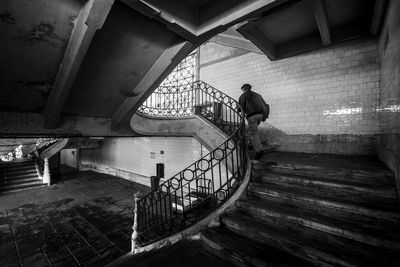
x=46 y=172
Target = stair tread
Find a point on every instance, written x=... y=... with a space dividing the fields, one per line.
x=21 y=180
x=359 y=194
x=30 y=168
x=327 y=161
x=310 y=243
x=365 y=232
x=19 y=163
x=21 y=173
x=23 y=185
x=18 y=166
x=298 y=178
x=341 y=214
x=372 y=176
x=320 y=196
x=247 y=251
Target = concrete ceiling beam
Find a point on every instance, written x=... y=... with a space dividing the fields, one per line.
x=378 y=15
x=322 y=18
x=174 y=24
x=259 y=39
x=167 y=61
x=236 y=42
x=90 y=19
x=29 y=125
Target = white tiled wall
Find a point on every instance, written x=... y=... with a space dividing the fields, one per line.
x=330 y=91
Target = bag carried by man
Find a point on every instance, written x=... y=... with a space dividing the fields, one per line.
x=265 y=107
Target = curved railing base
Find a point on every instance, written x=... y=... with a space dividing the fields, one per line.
x=197 y=127
x=194 y=229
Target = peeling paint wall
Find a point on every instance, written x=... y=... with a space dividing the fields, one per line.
x=34 y=35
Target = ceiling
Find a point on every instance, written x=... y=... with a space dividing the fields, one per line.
x=75 y=66
x=301 y=26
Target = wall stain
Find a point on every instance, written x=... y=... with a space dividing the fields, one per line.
x=43 y=87
x=7 y=18
x=43 y=32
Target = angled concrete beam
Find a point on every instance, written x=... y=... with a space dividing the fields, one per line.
x=167 y=61
x=377 y=17
x=253 y=33
x=236 y=42
x=321 y=16
x=90 y=19
x=31 y=125
x=173 y=23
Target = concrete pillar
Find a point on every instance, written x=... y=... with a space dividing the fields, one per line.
x=46 y=172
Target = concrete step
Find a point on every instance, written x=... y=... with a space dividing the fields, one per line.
x=328 y=210
x=17 y=175
x=25 y=180
x=371 y=176
x=241 y=251
x=20 y=169
x=373 y=210
x=388 y=238
x=18 y=164
x=386 y=195
x=22 y=186
x=319 y=248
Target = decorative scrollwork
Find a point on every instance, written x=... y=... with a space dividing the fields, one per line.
x=199 y=189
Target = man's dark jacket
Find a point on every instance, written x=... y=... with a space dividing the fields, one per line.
x=253 y=103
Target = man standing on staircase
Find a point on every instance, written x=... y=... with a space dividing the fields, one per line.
x=256 y=111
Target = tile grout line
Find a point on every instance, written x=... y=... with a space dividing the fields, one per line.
x=14 y=241
x=30 y=225
x=56 y=232
x=93 y=227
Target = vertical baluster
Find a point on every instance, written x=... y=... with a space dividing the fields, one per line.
x=176 y=199
x=231 y=154
x=152 y=219
x=226 y=163
x=220 y=174
x=170 y=205
x=183 y=203
x=230 y=120
x=212 y=176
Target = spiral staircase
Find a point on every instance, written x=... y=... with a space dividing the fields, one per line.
x=292 y=210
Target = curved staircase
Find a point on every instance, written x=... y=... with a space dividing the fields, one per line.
x=298 y=213
x=298 y=210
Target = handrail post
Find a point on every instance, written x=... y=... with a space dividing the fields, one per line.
x=46 y=172
x=135 y=233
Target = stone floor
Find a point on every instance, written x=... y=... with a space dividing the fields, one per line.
x=83 y=219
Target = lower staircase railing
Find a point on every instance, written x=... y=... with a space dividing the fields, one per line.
x=198 y=190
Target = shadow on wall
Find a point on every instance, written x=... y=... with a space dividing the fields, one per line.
x=341 y=144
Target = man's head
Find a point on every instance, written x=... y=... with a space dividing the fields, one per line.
x=246 y=87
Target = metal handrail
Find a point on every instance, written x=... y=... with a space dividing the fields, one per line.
x=206 y=184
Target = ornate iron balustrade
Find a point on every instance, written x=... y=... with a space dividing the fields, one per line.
x=202 y=187
x=44 y=143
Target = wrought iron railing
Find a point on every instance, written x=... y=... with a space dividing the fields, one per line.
x=202 y=187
